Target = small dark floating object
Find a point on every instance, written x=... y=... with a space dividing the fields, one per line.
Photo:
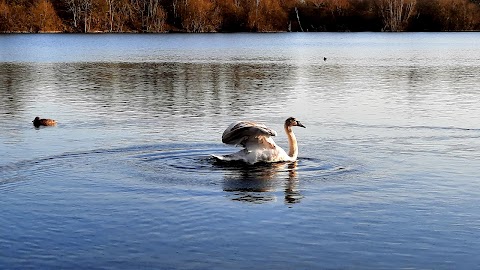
x=324 y=59
x=37 y=122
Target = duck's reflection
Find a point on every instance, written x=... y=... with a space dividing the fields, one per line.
x=260 y=183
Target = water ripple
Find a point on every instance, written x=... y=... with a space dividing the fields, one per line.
x=175 y=165
x=200 y=160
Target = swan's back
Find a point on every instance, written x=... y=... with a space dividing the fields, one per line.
x=246 y=132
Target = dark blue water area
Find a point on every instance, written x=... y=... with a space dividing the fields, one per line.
x=175 y=207
x=387 y=175
x=66 y=211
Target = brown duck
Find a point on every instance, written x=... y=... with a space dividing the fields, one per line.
x=43 y=122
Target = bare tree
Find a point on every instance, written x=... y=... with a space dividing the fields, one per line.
x=75 y=8
x=298 y=19
x=110 y=13
x=175 y=8
x=81 y=12
x=156 y=17
x=86 y=9
x=395 y=13
x=150 y=14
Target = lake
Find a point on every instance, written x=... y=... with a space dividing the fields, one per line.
x=387 y=175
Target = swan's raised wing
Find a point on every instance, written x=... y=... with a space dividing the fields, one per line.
x=248 y=133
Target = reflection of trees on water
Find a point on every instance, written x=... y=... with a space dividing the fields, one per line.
x=178 y=89
x=259 y=183
x=209 y=89
x=184 y=89
x=14 y=87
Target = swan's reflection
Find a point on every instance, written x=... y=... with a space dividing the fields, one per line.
x=259 y=183
x=292 y=194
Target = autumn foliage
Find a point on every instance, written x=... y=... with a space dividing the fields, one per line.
x=29 y=16
x=237 y=15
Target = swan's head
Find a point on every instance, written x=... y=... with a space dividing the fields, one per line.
x=292 y=121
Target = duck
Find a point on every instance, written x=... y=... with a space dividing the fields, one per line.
x=37 y=122
x=258 y=144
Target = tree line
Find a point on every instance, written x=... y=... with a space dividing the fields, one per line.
x=87 y=16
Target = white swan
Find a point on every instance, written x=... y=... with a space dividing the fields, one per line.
x=258 y=143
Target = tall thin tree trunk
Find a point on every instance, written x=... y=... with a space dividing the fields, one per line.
x=298 y=19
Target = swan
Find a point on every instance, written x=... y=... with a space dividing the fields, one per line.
x=258 y=143
x=37 y=122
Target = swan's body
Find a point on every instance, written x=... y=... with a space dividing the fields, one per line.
x=258 y=143
x=37 y=122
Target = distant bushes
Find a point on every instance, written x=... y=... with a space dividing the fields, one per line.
x=238 y=15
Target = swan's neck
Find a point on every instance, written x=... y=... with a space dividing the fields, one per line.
x=292 y=143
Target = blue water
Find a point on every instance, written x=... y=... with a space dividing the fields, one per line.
x=387 y=175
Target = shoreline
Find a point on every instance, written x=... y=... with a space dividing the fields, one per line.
x=239 y=32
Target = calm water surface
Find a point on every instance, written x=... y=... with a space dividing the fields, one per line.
x=387 y=176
